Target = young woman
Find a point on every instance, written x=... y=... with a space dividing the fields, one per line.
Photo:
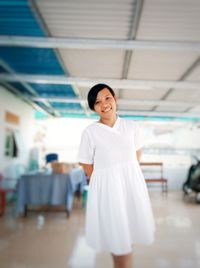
x=118 y=213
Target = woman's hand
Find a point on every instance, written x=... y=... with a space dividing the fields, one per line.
x=139 y=154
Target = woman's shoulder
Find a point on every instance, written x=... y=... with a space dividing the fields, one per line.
x=91 y=127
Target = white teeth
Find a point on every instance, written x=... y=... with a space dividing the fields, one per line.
x=105 y=111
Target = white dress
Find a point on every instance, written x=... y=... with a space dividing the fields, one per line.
x=118 y=213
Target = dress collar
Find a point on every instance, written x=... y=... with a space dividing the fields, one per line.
x=108 y=127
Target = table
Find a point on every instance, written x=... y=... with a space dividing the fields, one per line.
x=49 y=189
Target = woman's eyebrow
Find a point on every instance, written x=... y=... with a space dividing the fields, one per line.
x=105 y=96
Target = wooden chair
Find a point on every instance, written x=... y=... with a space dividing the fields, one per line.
x=161 y=181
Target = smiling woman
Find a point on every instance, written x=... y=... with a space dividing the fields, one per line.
x=103 y=102
x=118 y=213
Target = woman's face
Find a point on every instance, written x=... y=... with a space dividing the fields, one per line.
x=105 y=105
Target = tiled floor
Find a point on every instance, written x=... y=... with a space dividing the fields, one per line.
x=50 y=240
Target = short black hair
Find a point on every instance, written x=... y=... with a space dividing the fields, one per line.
x=92 y=94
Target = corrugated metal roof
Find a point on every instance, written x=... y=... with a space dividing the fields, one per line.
x=22 y=89
x=31 y=60
x=2 y=70
x=195 y=75
x=48 y=90
x=93 y=63
x=153 y=94
x=183 y=95
x=173 y=20
x=176 y=20
x=17 y=18
x=160 y=65
x=66 y=106
x=99 y=19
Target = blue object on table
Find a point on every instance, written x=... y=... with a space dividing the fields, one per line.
x=51 y=157
x=48 y=189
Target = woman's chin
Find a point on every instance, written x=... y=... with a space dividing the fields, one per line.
x=107 y=115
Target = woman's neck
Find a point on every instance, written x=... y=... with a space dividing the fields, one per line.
x=109 y=122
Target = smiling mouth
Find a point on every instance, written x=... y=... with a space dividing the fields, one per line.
x=107 y=110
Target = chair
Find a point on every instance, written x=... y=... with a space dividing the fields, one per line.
x=3 y=192
x=160 y=180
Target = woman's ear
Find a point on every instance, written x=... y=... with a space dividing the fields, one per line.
x=116 y=98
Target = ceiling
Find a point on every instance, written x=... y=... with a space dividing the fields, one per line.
x=52 y=52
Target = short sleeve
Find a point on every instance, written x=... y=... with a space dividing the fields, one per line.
x=86 y=149
x=139 y=138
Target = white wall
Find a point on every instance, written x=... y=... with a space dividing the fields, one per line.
x=9 y=102
x=181 y=140
x=62 y=136
x=175 y=168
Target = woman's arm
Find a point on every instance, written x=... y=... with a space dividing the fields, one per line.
x=88 y=168
x=139 y=154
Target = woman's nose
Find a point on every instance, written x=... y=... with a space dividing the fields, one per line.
x=104 y=104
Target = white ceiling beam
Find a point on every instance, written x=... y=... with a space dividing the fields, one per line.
x=89 y=82
x=146 y=113
x=81 y=43
x=121 y=101
x=160 y=114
